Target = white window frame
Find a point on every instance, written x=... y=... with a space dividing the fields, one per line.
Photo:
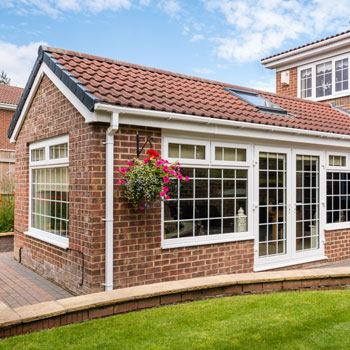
x=340 y=168
x=62 y=242
x=184 y=141
x=230 y=145
x=218 y=238
x=313 y=83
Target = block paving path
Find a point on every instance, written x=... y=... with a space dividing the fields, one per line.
x=21 y=286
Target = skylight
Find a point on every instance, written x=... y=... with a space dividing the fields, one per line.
x=257 y=101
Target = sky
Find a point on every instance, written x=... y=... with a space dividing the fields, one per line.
x=221 y=40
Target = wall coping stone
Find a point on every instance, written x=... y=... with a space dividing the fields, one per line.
x=30 y=313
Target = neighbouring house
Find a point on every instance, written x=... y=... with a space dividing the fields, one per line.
x=9 y=99
x=269 y=175
x=317 y=71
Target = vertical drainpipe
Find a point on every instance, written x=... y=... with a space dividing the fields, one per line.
x=109 y=200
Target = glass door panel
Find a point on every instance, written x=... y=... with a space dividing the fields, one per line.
x=307 y=202
x=272 y=204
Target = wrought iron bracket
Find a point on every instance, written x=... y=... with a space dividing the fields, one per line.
x=149 y=140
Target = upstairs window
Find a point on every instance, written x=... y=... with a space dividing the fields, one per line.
x=341 y=75
x=324 y=79
x=306 y=83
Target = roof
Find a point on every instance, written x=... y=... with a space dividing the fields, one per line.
x=309 y=44
x=10 y=94
x=95 y=79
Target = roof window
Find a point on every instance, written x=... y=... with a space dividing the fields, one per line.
x=257 y=101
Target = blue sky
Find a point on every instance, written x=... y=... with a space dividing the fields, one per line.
x=216 y=39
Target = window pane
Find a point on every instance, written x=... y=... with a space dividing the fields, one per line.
x=209 y=205
x=200 y=152
x=187 y=152
x=173 y=150
x=50 y=200
x=59 y=151
x=38 y=154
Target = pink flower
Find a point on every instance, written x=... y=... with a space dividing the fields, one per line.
x=142 y=206
x=165 y=189
x=122 y=170
x=167 y=197
x=121 y=181
x=157 y=167
x=173 y=172
x=145 y=161
x=162 y=194
x=131 y=165
x=166 y=179
x=159 y=162
x=166 y=162
x=165 y=168
x=187 y=179
x=180 y=177
x=173 y=166
x=128 y=163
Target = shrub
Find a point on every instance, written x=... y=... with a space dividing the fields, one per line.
x=7 y=206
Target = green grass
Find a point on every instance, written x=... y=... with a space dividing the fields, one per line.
x=300 y=320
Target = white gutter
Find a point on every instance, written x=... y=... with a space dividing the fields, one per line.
x=268 y=62
x=109 y=200
x=214 y=121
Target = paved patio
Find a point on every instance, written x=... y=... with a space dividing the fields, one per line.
x=21 y=286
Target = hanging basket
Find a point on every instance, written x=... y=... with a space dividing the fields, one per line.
x=146 y=181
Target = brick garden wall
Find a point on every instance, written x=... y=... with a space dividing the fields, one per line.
x=337 y=245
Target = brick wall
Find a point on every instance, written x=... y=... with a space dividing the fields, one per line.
x=139 y=258
x=343 y=102
x=5 y=119
x=51 y=115
x=337 y=245
x=292 y=88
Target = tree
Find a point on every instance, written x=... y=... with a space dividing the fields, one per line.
x=4 y=79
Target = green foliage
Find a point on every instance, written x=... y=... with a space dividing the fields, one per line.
x=4 y=79
x=146 y=181
x=7 y=204
x=284 y=321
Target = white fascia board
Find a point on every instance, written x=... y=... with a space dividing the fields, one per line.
x=8 y=107
x=89 y=116
x=176 y=121
x=307 y=51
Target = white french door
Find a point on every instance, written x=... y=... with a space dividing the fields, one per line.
x=287 y=206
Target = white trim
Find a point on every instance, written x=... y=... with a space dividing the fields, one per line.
x=307 y=51
x=289 y=263
x=341 y=154
x=181 y=122
x=8 y=106
x=337 y=226
x=184 y=141
x=247 y=149
x=48 y=237
x=45 y=70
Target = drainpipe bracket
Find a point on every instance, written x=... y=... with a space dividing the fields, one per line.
x=107 y=220
x=107 y=285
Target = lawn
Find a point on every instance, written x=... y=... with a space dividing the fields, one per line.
x=300 y=320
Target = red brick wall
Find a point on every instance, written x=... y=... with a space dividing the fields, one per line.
x=52 y=115
x=5 y=119
x=337 y=245
x=292 y=88
x=139 y=258
x=343 y=102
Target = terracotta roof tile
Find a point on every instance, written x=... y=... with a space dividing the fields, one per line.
x=10 y=94
x=126 y=84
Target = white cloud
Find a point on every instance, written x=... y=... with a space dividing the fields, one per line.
x=55 y=8
x=170 y=7
x=264 y=85
x=197 y=37
x=256 y=28
x=18 y=61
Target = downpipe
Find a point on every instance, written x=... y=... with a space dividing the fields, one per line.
x=111 y=131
